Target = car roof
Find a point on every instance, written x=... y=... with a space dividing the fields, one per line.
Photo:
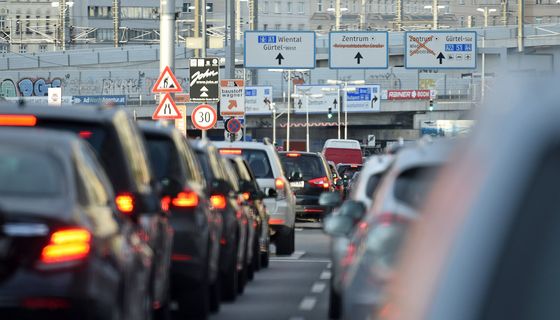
x=156 y=128
x=242 y=145
x=74 y=112
x=38 y=137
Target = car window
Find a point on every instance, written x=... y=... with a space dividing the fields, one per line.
x=412 y=185
x=526 y=283
x=384 y=241
x=259 y=163
x=134 y=151
x=163 y=157
x=241 y=171
x=310 y=166
x=372 y=183
x=30 y=173
x=192 y=165
x=97 y=191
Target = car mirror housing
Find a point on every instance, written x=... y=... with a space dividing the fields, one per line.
x=338 y=225
x=330 y=199
x=353 y=209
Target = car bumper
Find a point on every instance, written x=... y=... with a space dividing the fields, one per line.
x=310 y=211
x=282 y=212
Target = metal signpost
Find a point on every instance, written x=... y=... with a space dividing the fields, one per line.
x=440 y=50
x=359 y=50
x=280 y=49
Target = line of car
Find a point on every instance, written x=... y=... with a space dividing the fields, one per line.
x=105 y=218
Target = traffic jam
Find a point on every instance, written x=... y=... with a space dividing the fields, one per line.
x=339 y=171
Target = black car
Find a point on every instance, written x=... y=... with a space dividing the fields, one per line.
x=65 y=250
x=121 y=151
x=224 y=199
x=197 y=228
x=254 y=198
x=309 y=176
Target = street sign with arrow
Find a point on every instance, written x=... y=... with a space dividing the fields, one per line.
x=358 y=50
x=440 y=50
x=335 y=102
x=280 y=49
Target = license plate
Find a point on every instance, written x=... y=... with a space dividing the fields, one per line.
x=297 y=184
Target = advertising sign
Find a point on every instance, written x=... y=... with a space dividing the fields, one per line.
x=232 y=98
x=204 y=79
x=118 y=100
x=363 y=98
x=258 y=100
x=406 y=94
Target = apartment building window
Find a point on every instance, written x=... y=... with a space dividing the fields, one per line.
x=42 y=48
x=319 y=5
x=28 y=24
x=22 y=48
x=209 y=7
x=301 y=26
x=187 y=7
x=290 y=7
x=289 y=26
x=301 y=7
x=3 y=48
x=538 y=20
x=277 y=26
x=48 y=24
x=265 y=26
x=18 y=22
x=277 y=6
x=265 y=7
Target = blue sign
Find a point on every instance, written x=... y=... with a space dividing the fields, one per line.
x=458 y=47
x=250 y=92
x=363 y=98
x=267 y=39
x=117 y=100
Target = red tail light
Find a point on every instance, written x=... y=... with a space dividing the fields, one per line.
x=18 y=120
x=246 y=196
x=279 y=184
x=293 y=155
x=276 y=221
x=185 y=199
x=85 y=134
x=230 y=151
x=67 y=245
x=320 y=182
x=125 y=203
x=218 y=201
x=45 y=303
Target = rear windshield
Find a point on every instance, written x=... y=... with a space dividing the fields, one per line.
x=348 y=171
x=205 y=164
x=310 y=166
x=413 y=185
x=29 y=173
x=163 y=157
x=103 y=142
x=259 y=163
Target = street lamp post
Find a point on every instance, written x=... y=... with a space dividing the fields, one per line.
x=345 y=90
x=435 y=11
x=485 y=11
x=306 y=95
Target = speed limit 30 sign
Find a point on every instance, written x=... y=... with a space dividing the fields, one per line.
x=204 y=117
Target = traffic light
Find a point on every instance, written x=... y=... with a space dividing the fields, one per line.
x=329 y=115
x=431 y=108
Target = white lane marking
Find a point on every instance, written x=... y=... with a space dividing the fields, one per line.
x=325 y=275
x=318 y=287
x=294 y=256
x=280 y=259
x=308 y=303
x=329 y=265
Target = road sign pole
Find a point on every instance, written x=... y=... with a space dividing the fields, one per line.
x=289 y=110
x=167 y=37
x=346 y=112
x=307 y=122
x=339 y=106
x=274 y=126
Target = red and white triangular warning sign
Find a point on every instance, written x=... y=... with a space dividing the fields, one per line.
x=167 y=109
x=167 y=82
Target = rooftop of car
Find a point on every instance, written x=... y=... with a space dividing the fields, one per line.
x=241 y=145
x=77 y=112
x=37 y=137
x=300 y=152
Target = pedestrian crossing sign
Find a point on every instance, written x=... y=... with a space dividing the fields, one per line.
x=167 y=109
x=167 y=82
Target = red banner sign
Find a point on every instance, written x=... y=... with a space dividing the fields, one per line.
x=408 y=94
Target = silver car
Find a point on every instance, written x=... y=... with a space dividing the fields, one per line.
x=279 y=198
x=375 y=243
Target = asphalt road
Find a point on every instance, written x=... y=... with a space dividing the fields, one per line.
x=292 y=288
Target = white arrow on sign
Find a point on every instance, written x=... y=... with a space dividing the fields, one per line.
x=204 y=89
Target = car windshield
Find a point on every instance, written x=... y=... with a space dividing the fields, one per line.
x=29 y=173
x=310 y=166
x=413 y=185
x=348 y=170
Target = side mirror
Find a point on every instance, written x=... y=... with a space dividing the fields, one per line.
x=330 y=199
x=270 y=193
x=352 y=209
x=295 y=176
x=339 y=182
x=170 y=186
x=338 y=225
